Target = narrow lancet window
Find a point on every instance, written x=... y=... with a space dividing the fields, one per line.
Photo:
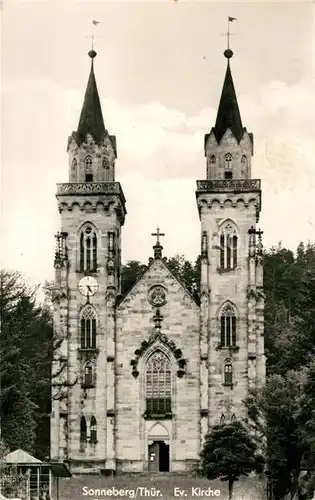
x=88 y=375
x=228 y=372
x=83 y=432
x=228 y=248
x=88 y=169
x=158 y=384
x=106 y=168
x=228 y=326
x=228 y=173
x=93 y=437
x=74 y=171
x=88 y=250
x=88 y=328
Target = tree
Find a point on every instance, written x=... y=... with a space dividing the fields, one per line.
x=229 y=452
x=289 y=307
x=276 y=414
x=130 y=273
x=25 y=352
x=185 y=271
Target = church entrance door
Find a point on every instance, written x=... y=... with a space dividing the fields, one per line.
x=159 y=459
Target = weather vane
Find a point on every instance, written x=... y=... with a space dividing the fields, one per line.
x=230 y=20
x=94 y=23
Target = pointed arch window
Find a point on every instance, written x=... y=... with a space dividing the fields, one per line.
x=88 y=328
x=233 y=418
x=93 y=434
x=228 y=247
x=244 y=161
x=88 y=375
x=105 y=163
x=213 y=160
x=228 y=326
x=222 y=419
x=88 y=250
x=158 y=384
x=83 y=432
x=88 y=163
x=228 y=372
x=228 y=172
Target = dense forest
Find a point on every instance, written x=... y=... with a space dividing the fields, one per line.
x=286 y=405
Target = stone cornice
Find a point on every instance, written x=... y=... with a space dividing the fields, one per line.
x=87 y=188
x=229 y=186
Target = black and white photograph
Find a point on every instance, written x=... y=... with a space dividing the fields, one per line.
x=157 y=282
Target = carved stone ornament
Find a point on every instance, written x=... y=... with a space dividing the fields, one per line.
x=181 y=362
x=157 y=296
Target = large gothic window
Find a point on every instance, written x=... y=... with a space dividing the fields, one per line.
x=83 y=432
x=88 y=375
x=158 y=384
x=228 y=372
x=228 y=172
x=88 y=249
x=88 y=169
x=228 y=325
x=228 y=247
x=88 y=328
x=93 y=438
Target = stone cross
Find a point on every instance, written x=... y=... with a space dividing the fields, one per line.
x=158 y=234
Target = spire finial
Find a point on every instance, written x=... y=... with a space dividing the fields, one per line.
x=92 y=52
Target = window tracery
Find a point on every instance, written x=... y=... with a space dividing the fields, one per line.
x=228 y=325
x=88 y=249
x=88 y=163
x=158 y=384
x=88 y=328
x=228 y=171
x=228 y=246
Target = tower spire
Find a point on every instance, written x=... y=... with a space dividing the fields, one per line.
x=228 y=113
x=91 y=119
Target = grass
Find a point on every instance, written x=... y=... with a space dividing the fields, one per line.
x=73 y=488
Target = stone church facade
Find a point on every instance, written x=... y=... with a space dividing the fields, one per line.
x=139 y=379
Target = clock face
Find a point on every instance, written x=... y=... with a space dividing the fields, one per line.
x=88 y=286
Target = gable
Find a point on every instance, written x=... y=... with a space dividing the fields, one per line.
x=156 y=280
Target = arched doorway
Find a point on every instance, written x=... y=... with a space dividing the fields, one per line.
x=158 y=449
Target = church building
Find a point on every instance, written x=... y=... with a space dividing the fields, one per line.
x=139 y=379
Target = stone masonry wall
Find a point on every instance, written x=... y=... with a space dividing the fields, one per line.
x=134 y=324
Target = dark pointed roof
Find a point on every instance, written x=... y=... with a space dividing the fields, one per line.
x=91 y=119
x=228 y=113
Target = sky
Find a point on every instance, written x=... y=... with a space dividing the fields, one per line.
x=159 y=70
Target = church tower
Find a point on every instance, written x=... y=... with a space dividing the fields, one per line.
x=232 y=300
x=87 y=264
